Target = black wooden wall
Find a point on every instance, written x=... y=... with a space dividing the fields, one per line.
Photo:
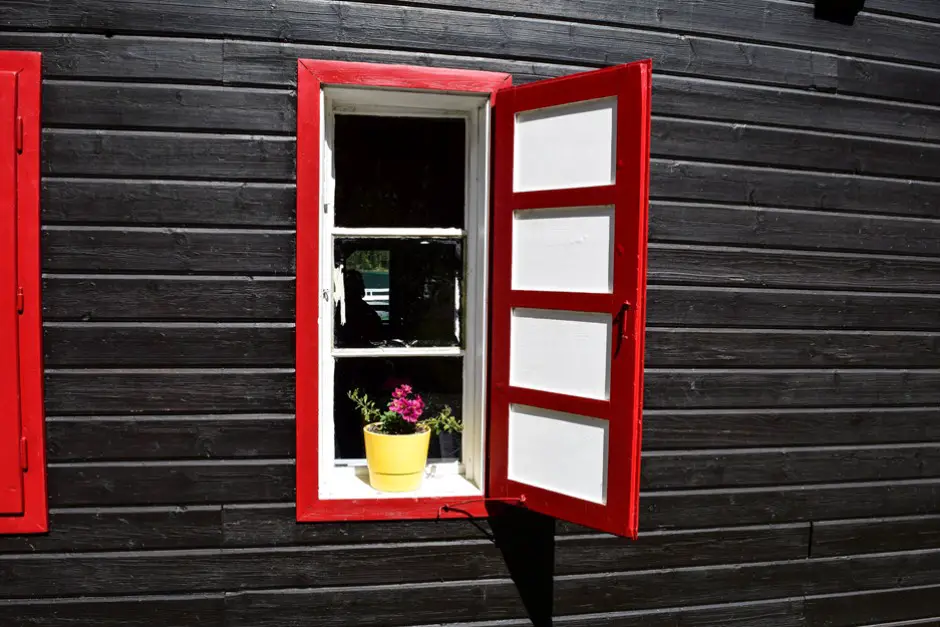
x=791 y=471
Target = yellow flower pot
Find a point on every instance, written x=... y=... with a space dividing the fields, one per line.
x=396 y=462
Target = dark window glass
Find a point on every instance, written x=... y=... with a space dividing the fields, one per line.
x=439 y=381
x=399 y=292
x=399 y=171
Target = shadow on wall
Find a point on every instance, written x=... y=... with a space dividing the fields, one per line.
x=527 y=541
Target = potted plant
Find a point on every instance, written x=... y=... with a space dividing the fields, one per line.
x=397 y=438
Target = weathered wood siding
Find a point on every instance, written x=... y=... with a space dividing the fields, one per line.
x=791 y=472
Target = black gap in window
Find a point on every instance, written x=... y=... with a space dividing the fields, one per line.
x=439 y=381
x=399 y=172
x=399 y=292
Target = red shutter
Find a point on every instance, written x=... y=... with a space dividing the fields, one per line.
x=22 y=442
x=11 y=473
x=569 y=284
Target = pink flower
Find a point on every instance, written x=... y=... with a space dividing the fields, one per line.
x=410 y=409
x=402 y=391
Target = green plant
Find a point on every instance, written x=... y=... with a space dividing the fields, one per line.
x=402 y=415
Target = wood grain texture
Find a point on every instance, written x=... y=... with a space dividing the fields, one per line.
x=269 y=63
x=679 y=264
x=87 y=56
x=426 y=28
x=679 y=509
x=791 y=426
x=748 y=467
x=168 y=345
x=683 y=97
x=793 y=189
x=182 y=107
x=103 y=297
x=170 y=483
x=691 y=222
x=71 y=152
x=847 y=537
x=123 y=528
x=733 y=348
x=729 y=428
x=161 y=202
x=238 y=569
x=773 y=21
x=735 y=142
x=882 y=606
x=179 y=437
x=718 y=388
x=207 y=390
x=752 y=307
x=170 y=250
x=168 y=611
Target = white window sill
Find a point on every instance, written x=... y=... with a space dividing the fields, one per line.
x=353 y=483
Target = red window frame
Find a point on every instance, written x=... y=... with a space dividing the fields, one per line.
x=28 y=69
x=311 y=75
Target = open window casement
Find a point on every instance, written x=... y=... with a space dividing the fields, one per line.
x=22 y=456
x=546 y=283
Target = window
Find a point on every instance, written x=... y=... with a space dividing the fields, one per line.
x=524 y=316
x=22 y=450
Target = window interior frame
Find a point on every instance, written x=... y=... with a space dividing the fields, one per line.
x=334 y=479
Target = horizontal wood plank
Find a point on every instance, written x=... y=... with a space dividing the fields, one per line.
x=71 y=152
x=706 y=469
x=147 y=298
x=74 y=55
x=741 y=348
x=794 y=189
x=677 y=138
x=743 y=307
x=914 y=9
x=170 y=250
x=707 y=265
x=762 y=104
x=204 y=610
x=168 y=345
x=869 y=608
x=170 y=483
x=705 y=388
x=182 y=107
x=671 y=510
x=231 y=569
x=184 y=437
x=155 y=202
x=788 y=228
x=877 y=535
x=727 y=428
x=94 y=392
x=123 y=528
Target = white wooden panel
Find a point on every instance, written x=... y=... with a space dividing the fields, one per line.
x=557 y=451
x=565 y=352
x=563 y=250
x=566 y=146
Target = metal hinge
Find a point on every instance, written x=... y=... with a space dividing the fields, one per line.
x=20 y=300
x=24 y=457
x=19 y=134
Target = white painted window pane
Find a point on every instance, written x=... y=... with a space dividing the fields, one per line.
x=566 y=146
x=557 y=451
x=565 y=352
x=563 y=250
